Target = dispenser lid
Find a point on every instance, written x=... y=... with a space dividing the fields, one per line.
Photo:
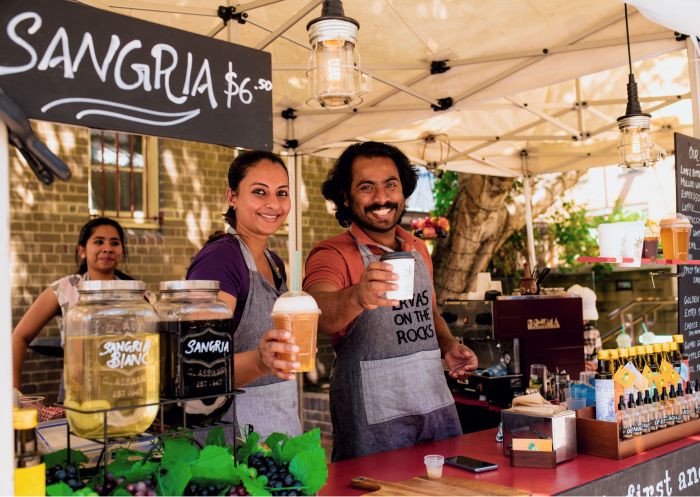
x=184 y=285
x=111 y=286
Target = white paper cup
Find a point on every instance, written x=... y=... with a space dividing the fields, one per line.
x=403 y=264
x=610 y=239
x=433 y=466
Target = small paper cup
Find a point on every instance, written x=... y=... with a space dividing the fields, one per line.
x=433 y=466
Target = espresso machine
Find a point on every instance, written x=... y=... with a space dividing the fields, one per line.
x=498 y=378
x=510 y=334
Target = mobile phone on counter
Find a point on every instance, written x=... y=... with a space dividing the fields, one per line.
x=470 y=464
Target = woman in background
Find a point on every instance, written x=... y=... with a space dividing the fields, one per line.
x=101 y=247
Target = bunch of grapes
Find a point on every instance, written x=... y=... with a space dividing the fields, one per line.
x=238 y=490
x=278 y=475
x=110 y=483
x=68 y=474
x=196 y=489
x=143 y=487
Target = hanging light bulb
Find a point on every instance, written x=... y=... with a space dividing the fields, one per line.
x=635 y=145
x=335 y=77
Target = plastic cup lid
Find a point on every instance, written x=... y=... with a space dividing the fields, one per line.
x=387 y=256
x=674 y=220
x=295 y=303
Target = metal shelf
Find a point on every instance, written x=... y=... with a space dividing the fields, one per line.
x=656 y=262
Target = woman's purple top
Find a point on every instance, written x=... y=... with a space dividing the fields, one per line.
x=222 y=260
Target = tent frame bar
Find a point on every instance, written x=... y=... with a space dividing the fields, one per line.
x=284 y=27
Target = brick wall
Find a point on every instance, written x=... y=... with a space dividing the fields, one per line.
x=45 y=221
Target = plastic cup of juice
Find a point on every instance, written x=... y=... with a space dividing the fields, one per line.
x=298 y=313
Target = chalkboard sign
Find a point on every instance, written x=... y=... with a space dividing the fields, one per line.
x=674 y=473
x=67 y=62
x=688 y=204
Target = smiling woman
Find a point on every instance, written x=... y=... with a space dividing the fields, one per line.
x=251 y=278
x=101 y=247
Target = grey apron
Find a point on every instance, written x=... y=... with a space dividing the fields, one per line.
x=269 y=404
x=388 y=387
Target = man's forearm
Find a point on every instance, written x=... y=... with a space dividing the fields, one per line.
x=444 y=335
x=338 y=308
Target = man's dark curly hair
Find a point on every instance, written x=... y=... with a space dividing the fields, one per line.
x=336 y=188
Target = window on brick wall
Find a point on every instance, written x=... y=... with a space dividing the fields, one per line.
x=124 y=177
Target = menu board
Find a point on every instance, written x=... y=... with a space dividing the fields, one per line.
x=67 y=62
x=688 y=204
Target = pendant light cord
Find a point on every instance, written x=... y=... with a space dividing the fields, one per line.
x=627 y=32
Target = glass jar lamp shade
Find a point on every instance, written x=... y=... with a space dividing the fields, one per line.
x=635 y=144
x=335 y=78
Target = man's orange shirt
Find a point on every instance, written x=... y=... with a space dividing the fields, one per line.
x=337 y=261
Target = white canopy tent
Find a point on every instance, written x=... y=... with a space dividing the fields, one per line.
x=546 y=77
x=543 y=76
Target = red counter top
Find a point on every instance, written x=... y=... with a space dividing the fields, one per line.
x=404 y=464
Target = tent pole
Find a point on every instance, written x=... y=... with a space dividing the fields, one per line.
x=7 y=463
x=693 y=55
x=528 y=212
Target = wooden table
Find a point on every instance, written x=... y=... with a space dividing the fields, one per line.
x=592 y=475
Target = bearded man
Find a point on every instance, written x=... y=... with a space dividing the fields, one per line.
x=388 y=388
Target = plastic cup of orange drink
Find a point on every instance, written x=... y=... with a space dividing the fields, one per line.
x=298 y=313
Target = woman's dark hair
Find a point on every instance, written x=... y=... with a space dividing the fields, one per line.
x=239 y=169
x=86 y=232
x=337 y=186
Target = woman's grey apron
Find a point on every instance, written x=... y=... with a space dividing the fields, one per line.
x=388 y=387
x=269 y=404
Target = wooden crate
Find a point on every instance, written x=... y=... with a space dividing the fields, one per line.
x=601 y=438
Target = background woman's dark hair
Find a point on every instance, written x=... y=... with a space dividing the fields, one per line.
x=86 y=232
x=238 y=170
x=336 y=188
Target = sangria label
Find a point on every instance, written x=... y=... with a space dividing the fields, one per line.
x=126 y=353
x=199 y=355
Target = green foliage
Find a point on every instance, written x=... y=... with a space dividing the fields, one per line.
x=60 y=458
x=570 y=231
x=177 y=462
x=61 y=488
x=445 y=191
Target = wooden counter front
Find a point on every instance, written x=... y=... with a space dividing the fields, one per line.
x=583 y=475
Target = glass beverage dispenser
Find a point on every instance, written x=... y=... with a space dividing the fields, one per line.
x=111 y=360
x=196 y=351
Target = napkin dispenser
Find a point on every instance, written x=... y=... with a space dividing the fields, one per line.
x=560 y=428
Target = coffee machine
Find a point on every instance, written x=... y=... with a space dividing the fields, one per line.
x=498 y=378
x=510 y=334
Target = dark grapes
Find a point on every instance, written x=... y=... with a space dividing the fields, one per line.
x=279 y=480
x=70 y=475
x=141 y=488
x=204 y=489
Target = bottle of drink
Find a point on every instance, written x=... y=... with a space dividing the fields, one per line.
x=668 y=408
x=659 y=411
x=697 y=398
x=604 y=389
x=30 y=472
x=692 y=403
x=675 y=404
x=653 y=425
x=644 y=416
x=614 y=363
x=624 y=420
x=635 y=418
x=680 y=398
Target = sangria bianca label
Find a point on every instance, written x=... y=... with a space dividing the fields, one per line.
x=126 y=353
